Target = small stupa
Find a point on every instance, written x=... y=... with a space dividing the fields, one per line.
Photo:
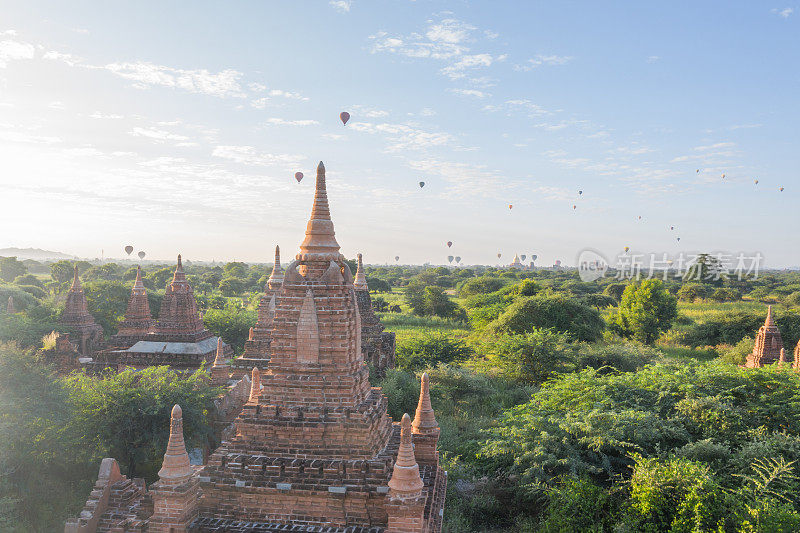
x=768 y=345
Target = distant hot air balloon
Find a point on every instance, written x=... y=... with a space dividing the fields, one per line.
x=129 y=249
x=723 y=176
x=141 y=255
x=298 y=176
x=450 y=258
x=580 y=192
x=397 y=258
x=574 y=206
x=534 y=257
x=781 y=189
x=756 y=182
x=640 y=217
x=672 y=228
x=510 y=206
x=698 y=171
x=499 y=255
x=679 y=239
x=449 y=244
x=458 y=259
x=344 y=116
x=421 y=184
x=523 y=256
x=626 y=249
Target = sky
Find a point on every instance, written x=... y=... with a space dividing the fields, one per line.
x=177 y=127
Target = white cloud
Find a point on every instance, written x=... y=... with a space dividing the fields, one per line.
x=715 y=146
x=541 y=59
x=458 y=68
x=449 y=31
x=783 y=13
x=69 y=59
x=404 y=136
x=158 y=135
x=470 y=92
x=56 y=105
x=652 y=59
x=249 y=156
x=514 y=106
x=284 y=122
x=342 y=6
x=14 y=50
x=221 y=84
x=363 y=111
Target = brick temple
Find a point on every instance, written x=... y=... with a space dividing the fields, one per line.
x=177 y=339
x=313 y=448
x=377 y=345
x=75 y=316
x=768 y=347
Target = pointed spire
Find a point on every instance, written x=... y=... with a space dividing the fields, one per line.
x=406 y=481
x=320 y=236
x=782 y=357
x=360 y=281
x=255 y=386
x=769 y=322
x=219 y=359
x=251 y=335
x=179 y=275
x=424 y=419
x=138 y=283
x=219 y=370
x=176 y=465
x=76 y=281
x=276 y=277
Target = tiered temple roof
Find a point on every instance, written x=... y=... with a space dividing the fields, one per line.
x=314 y=447
x=377 y=345
x=179 y=319
x=768 y=345
x=76 y=317
x=137 y=322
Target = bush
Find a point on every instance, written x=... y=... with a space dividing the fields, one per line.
x=645 y=311
x=690 y=292
x=481 y=285
x=425 y=351
x=793 y=299
x=530 y=358
x=725 y=295
x=620 y=357
x=737 y=354
x=232 y=324
x=556 y=312
x=28 y=279
x=576 y=504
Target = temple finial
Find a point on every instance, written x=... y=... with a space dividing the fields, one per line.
x=255 y=386
x=360 y=281
x=76 y=281
x=424 y=419
x=276 y=276
x=219 y=370
x=769 y=322
x=138 y=283
x=176 y=466
x=179 y=275
x=406 y=481
x=320 y=237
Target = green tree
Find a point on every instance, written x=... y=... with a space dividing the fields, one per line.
x=107 y=302
x=691 y=292
x=231 y=287
x=530 y=358
x=550 y=311
x=231 y=323
x=235 y=269
x=161 y=276
x=62 y=271
x=481 y=285
x=422 y=351
x=615 y=290
x=129 y=413
x=646 y=309
x=11 y=267
x=706 y=269
x=28 y=279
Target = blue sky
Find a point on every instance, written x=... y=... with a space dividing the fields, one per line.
x=178 y=127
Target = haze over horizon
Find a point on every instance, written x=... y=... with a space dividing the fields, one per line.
x=179 y=127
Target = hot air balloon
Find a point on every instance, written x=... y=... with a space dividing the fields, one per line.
x=298 y=176
x=510 y=206
x=756 y=182
x=449 y=244
x=679 y=239
x=781 y=189
x=626 y=249
x=723 y=176
x=640 y=217
x=344 y=116
x=129 y=249
x=141 y=255
x=397 y=258
x=698 y=171
x=523 y=256
x=574 y=206
x=671 y=228
x=499 y=255
x=450 y=258
x=580 y=192
x=534 y=257
x=421 y=184
x=458 y=259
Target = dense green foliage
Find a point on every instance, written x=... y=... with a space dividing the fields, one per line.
x=645 y=311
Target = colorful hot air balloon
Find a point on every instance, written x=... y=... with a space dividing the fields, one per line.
x=534 y=257
x=129 y=249
x=344 y=116
x=141 y=255
x=756 y=182
x=458 y=259
x=640 y=217
x=781 y=189
x=523 y=256
x=626 y=249
x=449 y=244
x=574 y=206
x=450 y=258
x=421 y=184
x=510 y=206
x=671 y=228
x=723 y=176
x=698 y=171
x=298 y=176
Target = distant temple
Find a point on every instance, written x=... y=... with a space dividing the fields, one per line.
x=10 y=309
x=377 y=345
x=177 y=339
x=313 y=448
x=768 y=347
x=76 y=317
x=516 y=263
